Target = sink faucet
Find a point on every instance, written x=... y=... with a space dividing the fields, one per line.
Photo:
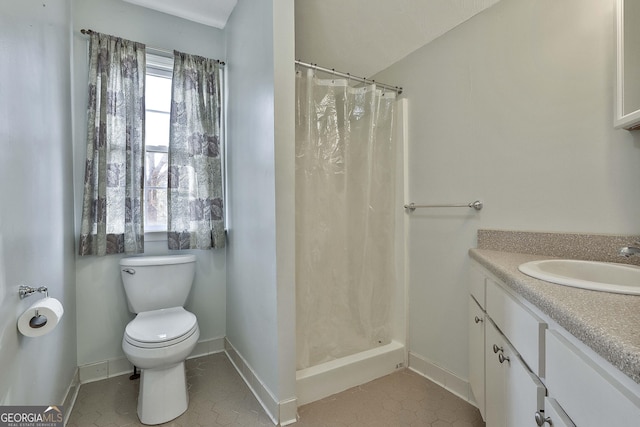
x=628 y=251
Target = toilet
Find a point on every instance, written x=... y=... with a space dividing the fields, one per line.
x=163 y=333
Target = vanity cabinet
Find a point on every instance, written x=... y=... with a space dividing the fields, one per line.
x=508 y=393
x=537 y=373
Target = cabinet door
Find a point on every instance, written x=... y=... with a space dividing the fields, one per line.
x=513 y=393
x=494 y=378
x=555 y=415
x=588 y=393
x=523 y=328
x=476 y=353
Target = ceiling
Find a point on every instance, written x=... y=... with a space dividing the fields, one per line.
x=214 y=13
x=361 y=37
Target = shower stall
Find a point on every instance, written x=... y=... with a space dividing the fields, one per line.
x=350 y=299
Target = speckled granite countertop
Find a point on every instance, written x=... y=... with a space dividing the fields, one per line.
x=606 y=322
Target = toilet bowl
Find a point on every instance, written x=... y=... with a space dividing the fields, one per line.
x=158 y=342
x=162 y=335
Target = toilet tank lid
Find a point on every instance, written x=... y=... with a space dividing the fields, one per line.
x=157 y=260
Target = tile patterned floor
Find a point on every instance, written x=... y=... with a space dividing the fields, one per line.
x=403 y=398
x=219 y=397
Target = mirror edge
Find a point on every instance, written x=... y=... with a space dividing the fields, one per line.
x=629 y=121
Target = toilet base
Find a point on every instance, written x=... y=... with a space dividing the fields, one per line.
x=163 y=394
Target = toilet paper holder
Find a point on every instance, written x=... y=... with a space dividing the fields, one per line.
x=27 y=291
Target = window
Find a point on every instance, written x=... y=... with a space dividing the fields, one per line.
x=158 y=108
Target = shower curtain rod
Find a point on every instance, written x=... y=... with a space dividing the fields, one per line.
x=155 y=49
x=332 y=71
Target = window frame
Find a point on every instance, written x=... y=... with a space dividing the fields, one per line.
x=158 y=64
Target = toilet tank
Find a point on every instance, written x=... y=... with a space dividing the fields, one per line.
x=155 y=282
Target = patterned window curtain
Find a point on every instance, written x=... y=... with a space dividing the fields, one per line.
x=195 y=197
x=112 y=209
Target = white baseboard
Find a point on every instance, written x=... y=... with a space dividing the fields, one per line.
x=281 y=413
x=120 y=366
x=101 y=370
x=206 y=347
x=71 y=395
x=441 y=376
x=288 y=412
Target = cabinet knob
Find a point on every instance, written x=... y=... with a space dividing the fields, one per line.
x=477 y=319
x=496 y=349
x=502 y=358
x=541 y=420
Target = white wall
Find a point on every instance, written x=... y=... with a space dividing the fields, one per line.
x=260 y=263
x=285 y=162
x=36 y=212
x=102 y=308
x=514 y=107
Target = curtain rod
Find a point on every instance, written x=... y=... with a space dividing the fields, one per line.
x=332 y=71
x=168 y=52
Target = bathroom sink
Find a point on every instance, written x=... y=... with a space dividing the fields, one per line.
x=597 y=276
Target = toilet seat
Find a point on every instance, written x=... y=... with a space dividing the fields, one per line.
x=161 y=328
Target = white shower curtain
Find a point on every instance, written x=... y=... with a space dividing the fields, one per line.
x=345 y=195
